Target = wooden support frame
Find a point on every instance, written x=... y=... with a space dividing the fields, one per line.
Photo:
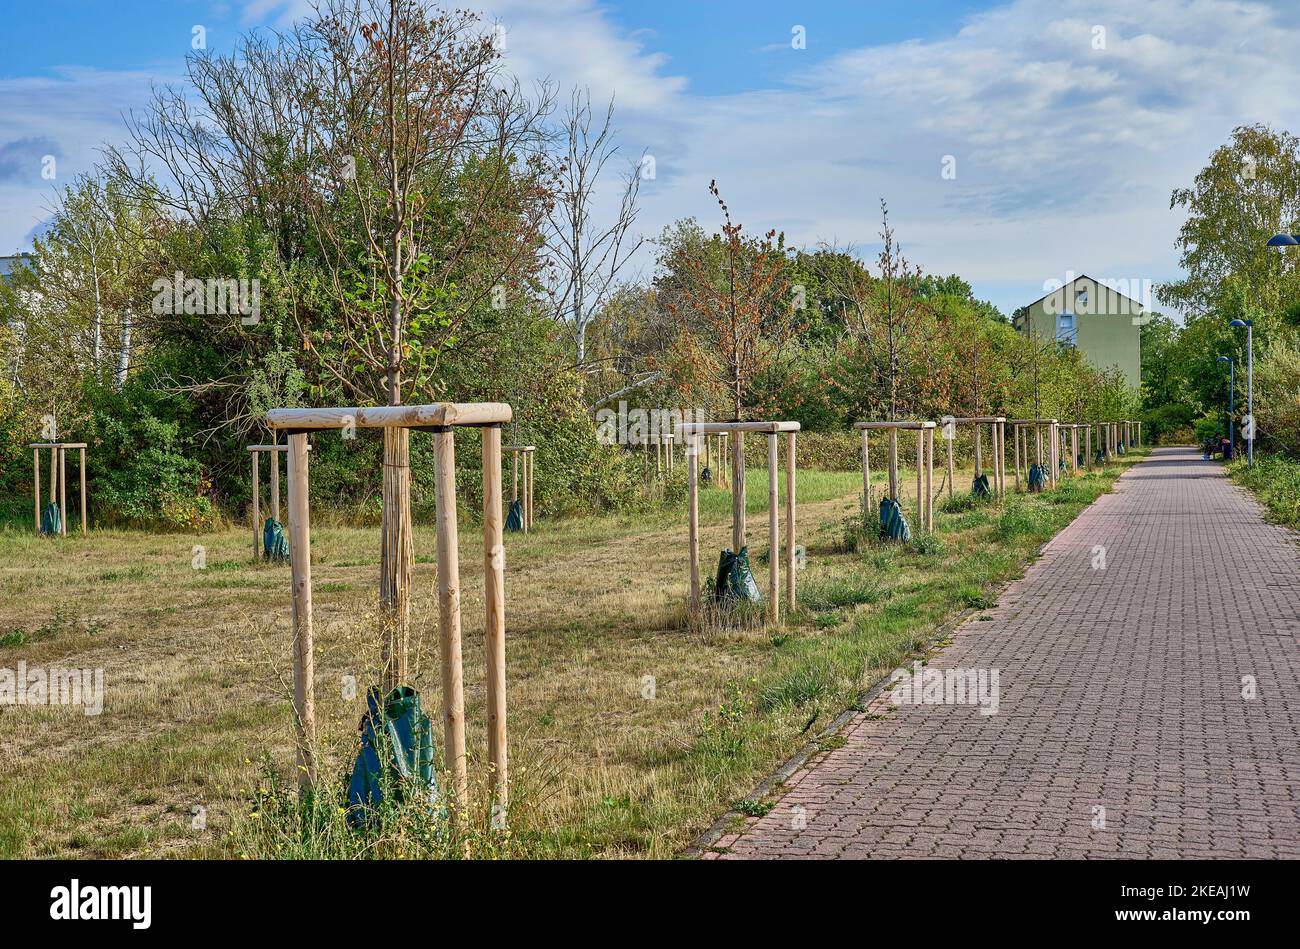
x=528 y=453
x=997 y=436
x=693 y=433
x=924 y=465
x=663 y=443
x=59 y=482
x=274 y=452
x=1047 y=435
x=439 y=418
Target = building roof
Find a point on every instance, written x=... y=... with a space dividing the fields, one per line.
x=1077 y=278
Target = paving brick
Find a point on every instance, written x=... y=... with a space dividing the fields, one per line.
x=1120 y=689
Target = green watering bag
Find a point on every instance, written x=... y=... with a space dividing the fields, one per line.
x=396 y=755
x=51 y=520
x=735 y=579
x=980 y=487
x=1037 y=478
x=893 y=525
x=515 y=518
x=275 y=546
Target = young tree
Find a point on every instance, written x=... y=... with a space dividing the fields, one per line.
x=585 y=257
x=380 y=138
x=734 y=307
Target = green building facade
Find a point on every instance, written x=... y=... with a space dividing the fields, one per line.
x=1104 y=324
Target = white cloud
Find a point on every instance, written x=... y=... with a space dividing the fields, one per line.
x=69 y=114
x=1065 y=154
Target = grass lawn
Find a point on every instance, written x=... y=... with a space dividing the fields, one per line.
x=196 y=718
x=1275 y=481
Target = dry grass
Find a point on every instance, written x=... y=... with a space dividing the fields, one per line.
x=196 y=666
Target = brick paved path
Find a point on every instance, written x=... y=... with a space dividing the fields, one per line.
x=1119 y=689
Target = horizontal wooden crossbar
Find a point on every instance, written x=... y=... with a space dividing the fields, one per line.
x=1033 y=421
x=393 y=416
x=899 y=425
x=707 y=428
x=57 y=445
x=521 y=448
x=976 y=420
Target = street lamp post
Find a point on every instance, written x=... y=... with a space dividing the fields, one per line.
x=1250 y=389
x=1232 y=388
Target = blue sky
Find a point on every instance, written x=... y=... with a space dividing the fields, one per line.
x=1068 y=122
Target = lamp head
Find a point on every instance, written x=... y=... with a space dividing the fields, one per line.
x=1225 y=359
x=1240 y=323
x=1283 y=240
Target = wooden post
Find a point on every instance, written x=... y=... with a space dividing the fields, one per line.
x=995 y=431
x=274 y=458
x=514 y=462
x=1054 y=453
x=952 y=472
x=449 y=651
x=672 y=454
x=893 y=463
x=920 y=469
x=693 y=509
x=494 y=635
x=54 y=478
x=81 y=468
x=737 y=491
x=1074 y=448
x=979 y=451
x=866 y=476
x=773 y=532
x=530 y=465
x=1002 y=458
x=659 y=455
x=789 y=520
x=257 y=507
x=36 y=485
x=708 y=454
x=63 y=492
x=304 y=665
x=929 y=479
x=1087 y=447
x=1015 y=437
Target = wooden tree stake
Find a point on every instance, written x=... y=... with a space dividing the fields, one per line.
x=85 y=531
x=773 y=533
x=494 y=637
x=449 y=648
x=304 y=666
x=693 y=508
x=257 y=508
x=789 y=521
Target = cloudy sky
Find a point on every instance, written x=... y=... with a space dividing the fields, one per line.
x=1062 y=125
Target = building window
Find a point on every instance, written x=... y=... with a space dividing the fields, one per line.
x=1066 y=334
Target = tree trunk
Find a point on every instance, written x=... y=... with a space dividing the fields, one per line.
x=396 y=554
x=124 y=357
